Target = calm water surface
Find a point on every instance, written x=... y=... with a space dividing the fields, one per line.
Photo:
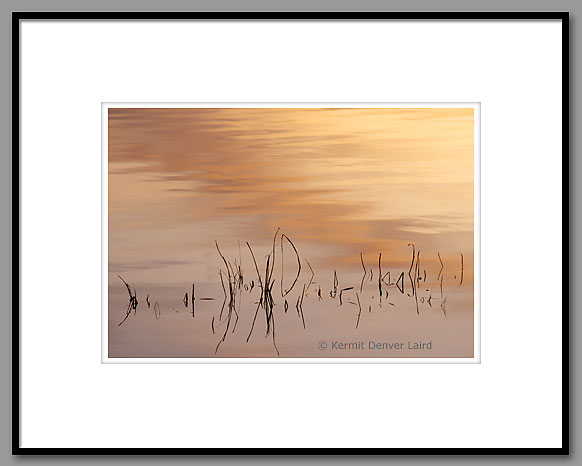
x=338 y=183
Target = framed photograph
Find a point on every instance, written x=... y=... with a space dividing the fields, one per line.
x=282 y=224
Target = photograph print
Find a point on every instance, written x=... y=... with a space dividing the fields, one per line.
x=280 y=232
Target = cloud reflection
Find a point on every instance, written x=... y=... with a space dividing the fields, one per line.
x=346 y=179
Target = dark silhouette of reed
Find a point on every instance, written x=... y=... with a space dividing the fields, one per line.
x=401 y=281
x=462 y=270
x=410 y=269
x=299 y=306
x=132 y=305
x=311 y=278
x=389 y=282
x=359 y=313
x=365 y=272
x=286 y=292
x=333 y=293
x=442 y=266
x=342 y=290
x=414 y=264
x=266 y=298
x=233 y=285
x=380 y=275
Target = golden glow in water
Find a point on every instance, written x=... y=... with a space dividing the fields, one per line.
x=338 y=182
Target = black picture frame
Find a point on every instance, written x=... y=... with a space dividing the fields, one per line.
x=286 y=16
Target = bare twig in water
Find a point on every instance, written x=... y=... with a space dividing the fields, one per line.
x=261 y=286
x=365 y=272
x=273 y=252
x=342 y=290
x=236 y=321
x=132 y=305
x=387 y=283
x=256 y=267
x=333 y=293
x=410 y=269
x=359 y=313
x=185 y=300
x=442 y=266
x=286 y=292
x=126 y=286
x=266 y=299
x=299 y=306
x=380 y=275
x=157 y=311
x=416 y=280
x=401 y=281
x=223 y=259
x=225 y=295
x=274 y=343
x=148 y=300
x=312 y=276
x=253 y=324
x=232 y=283
x=240 y=278
x=462 y=270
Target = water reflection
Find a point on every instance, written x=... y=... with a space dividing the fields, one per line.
x=344 y=185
